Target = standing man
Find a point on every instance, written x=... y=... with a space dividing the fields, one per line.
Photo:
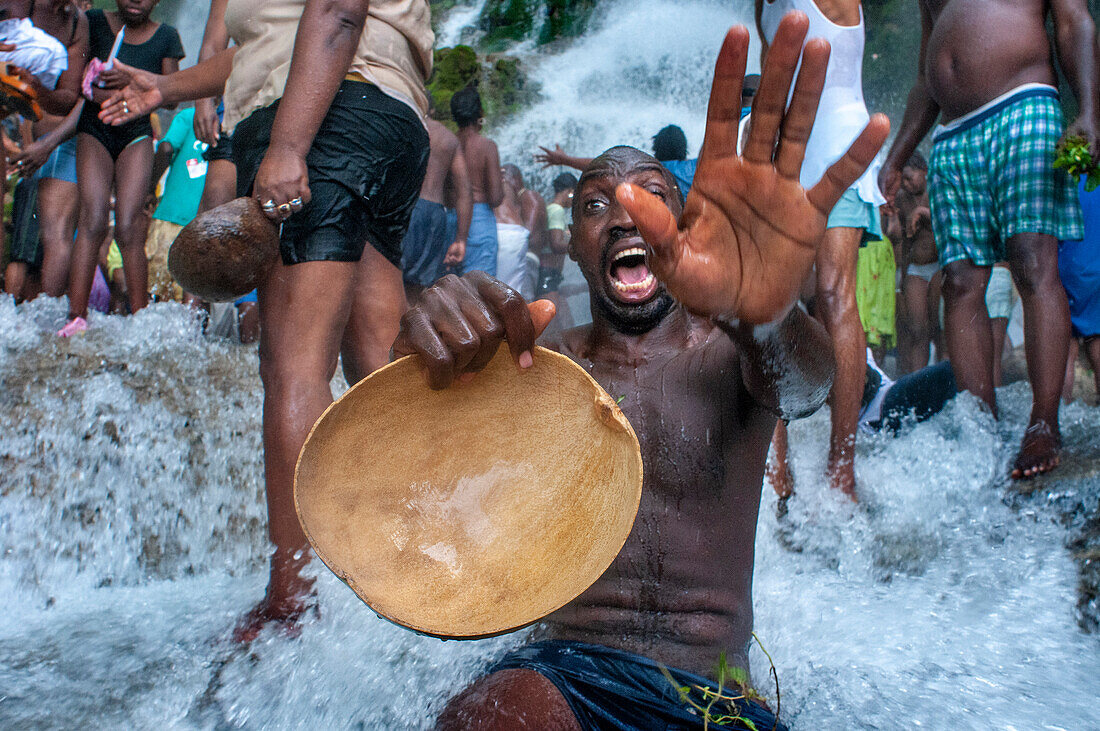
x=427 y=242
x=853 y=220
x=483 y=168
x=988 y=68
x=552 y=255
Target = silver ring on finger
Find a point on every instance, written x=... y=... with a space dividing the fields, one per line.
x=296 y=203
x=269 y=206
x=284 y=209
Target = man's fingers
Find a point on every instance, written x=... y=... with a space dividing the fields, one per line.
x=841 y=174
x=542 y=312
x=512 y=310
x=799 y=120
x=419 y=337
x=775 y=81
x=651 y=216
x=724 y=109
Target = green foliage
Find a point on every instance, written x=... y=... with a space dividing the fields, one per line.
x=502 y=83
x=722 y=706
x=1073 y=156
x=565 y=19
x=507 y=20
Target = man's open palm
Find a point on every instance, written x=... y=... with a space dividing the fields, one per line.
x=749 y=231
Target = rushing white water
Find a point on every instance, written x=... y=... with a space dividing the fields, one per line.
x=132 y=517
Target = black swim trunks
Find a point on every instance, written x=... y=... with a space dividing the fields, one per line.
x=549 y=280
x=26 y=244
x=220 y=150
x=615 y=690
x=365 y=169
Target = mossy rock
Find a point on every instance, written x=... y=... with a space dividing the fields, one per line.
x=507 y=20
x=502 y=82
x=565 y=19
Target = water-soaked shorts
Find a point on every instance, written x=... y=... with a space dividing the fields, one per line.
x=61 y=164
x=425 y=244
x=851 y=211
x=616 y=690
x=991 y=176
x=365 y=168
x=220 y=150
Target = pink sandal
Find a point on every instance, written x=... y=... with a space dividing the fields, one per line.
x=75 y=326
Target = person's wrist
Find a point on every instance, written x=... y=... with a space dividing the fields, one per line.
x=287 y=148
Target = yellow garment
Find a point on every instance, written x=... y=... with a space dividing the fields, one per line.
x=114 y=260
x=161 y=284
x=395 y=52
x=875 y=295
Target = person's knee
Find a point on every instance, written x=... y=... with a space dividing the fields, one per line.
x=509 y=699
x=962 y=282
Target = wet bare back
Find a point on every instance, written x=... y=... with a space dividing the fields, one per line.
x=483 y=164
x=444 y=144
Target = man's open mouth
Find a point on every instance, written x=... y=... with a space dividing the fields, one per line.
x=631 y=280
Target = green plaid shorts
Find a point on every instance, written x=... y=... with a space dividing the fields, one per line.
x=992 y=176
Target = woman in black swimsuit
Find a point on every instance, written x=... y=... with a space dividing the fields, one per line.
x=122 y=156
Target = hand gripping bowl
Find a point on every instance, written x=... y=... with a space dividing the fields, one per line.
x=224 y=253
x=475 y=510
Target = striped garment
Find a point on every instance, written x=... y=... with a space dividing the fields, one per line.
x=991 y=176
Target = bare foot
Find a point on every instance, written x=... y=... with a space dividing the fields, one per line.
x=285 y=616
x=843 y=477
x=779 y=475
x=1039 y=451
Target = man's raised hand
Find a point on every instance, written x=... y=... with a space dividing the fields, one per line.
x=749 y=231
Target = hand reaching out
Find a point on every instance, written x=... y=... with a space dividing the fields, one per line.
x=139 y=95
x=550 y=158
x=749 y=232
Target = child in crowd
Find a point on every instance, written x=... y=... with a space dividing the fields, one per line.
x=921 y=273
x=117 y=157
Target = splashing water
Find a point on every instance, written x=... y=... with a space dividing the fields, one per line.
x=132 y=517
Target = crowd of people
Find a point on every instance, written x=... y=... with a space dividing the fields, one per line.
x=785 y=266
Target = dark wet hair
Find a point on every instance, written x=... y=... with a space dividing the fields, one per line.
x=916 y=160
x=670 y=144
x=466 y=107
x=565 y=181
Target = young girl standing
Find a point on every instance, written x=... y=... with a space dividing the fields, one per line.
x=117 y=158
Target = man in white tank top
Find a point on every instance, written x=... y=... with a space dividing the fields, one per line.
x=987 y=66
x=842 y=116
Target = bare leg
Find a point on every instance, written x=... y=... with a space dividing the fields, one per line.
x=1033 y=259
x=248 y=322
x=779 y=470
x=506 y=700
x=935 y=297
x=836 y=300
x=132 y=183
x=95 y=171
x=999 y=330
x=379 y=303
x=15 y=278
x=220 y=186
x=967 y=331
x=303 y=311
x=58 y=206
x=1092 y=351
x=915 y=292
x=1071 y=372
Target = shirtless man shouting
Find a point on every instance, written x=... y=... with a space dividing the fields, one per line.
x=695 y=324
x=987 y=67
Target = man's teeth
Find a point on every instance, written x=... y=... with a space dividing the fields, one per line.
x=633 y=251
x=636 y=287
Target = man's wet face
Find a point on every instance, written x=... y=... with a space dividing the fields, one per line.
x=607 y=246
x=913 y=180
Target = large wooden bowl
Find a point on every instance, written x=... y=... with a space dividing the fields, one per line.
x=224 y=253
x=475 y=510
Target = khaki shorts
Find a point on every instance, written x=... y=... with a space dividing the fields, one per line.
x=161 y=284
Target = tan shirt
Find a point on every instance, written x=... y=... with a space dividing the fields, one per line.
x=395 y=52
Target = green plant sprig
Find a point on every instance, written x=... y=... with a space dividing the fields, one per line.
x=720 y=707
x=1073 y=156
